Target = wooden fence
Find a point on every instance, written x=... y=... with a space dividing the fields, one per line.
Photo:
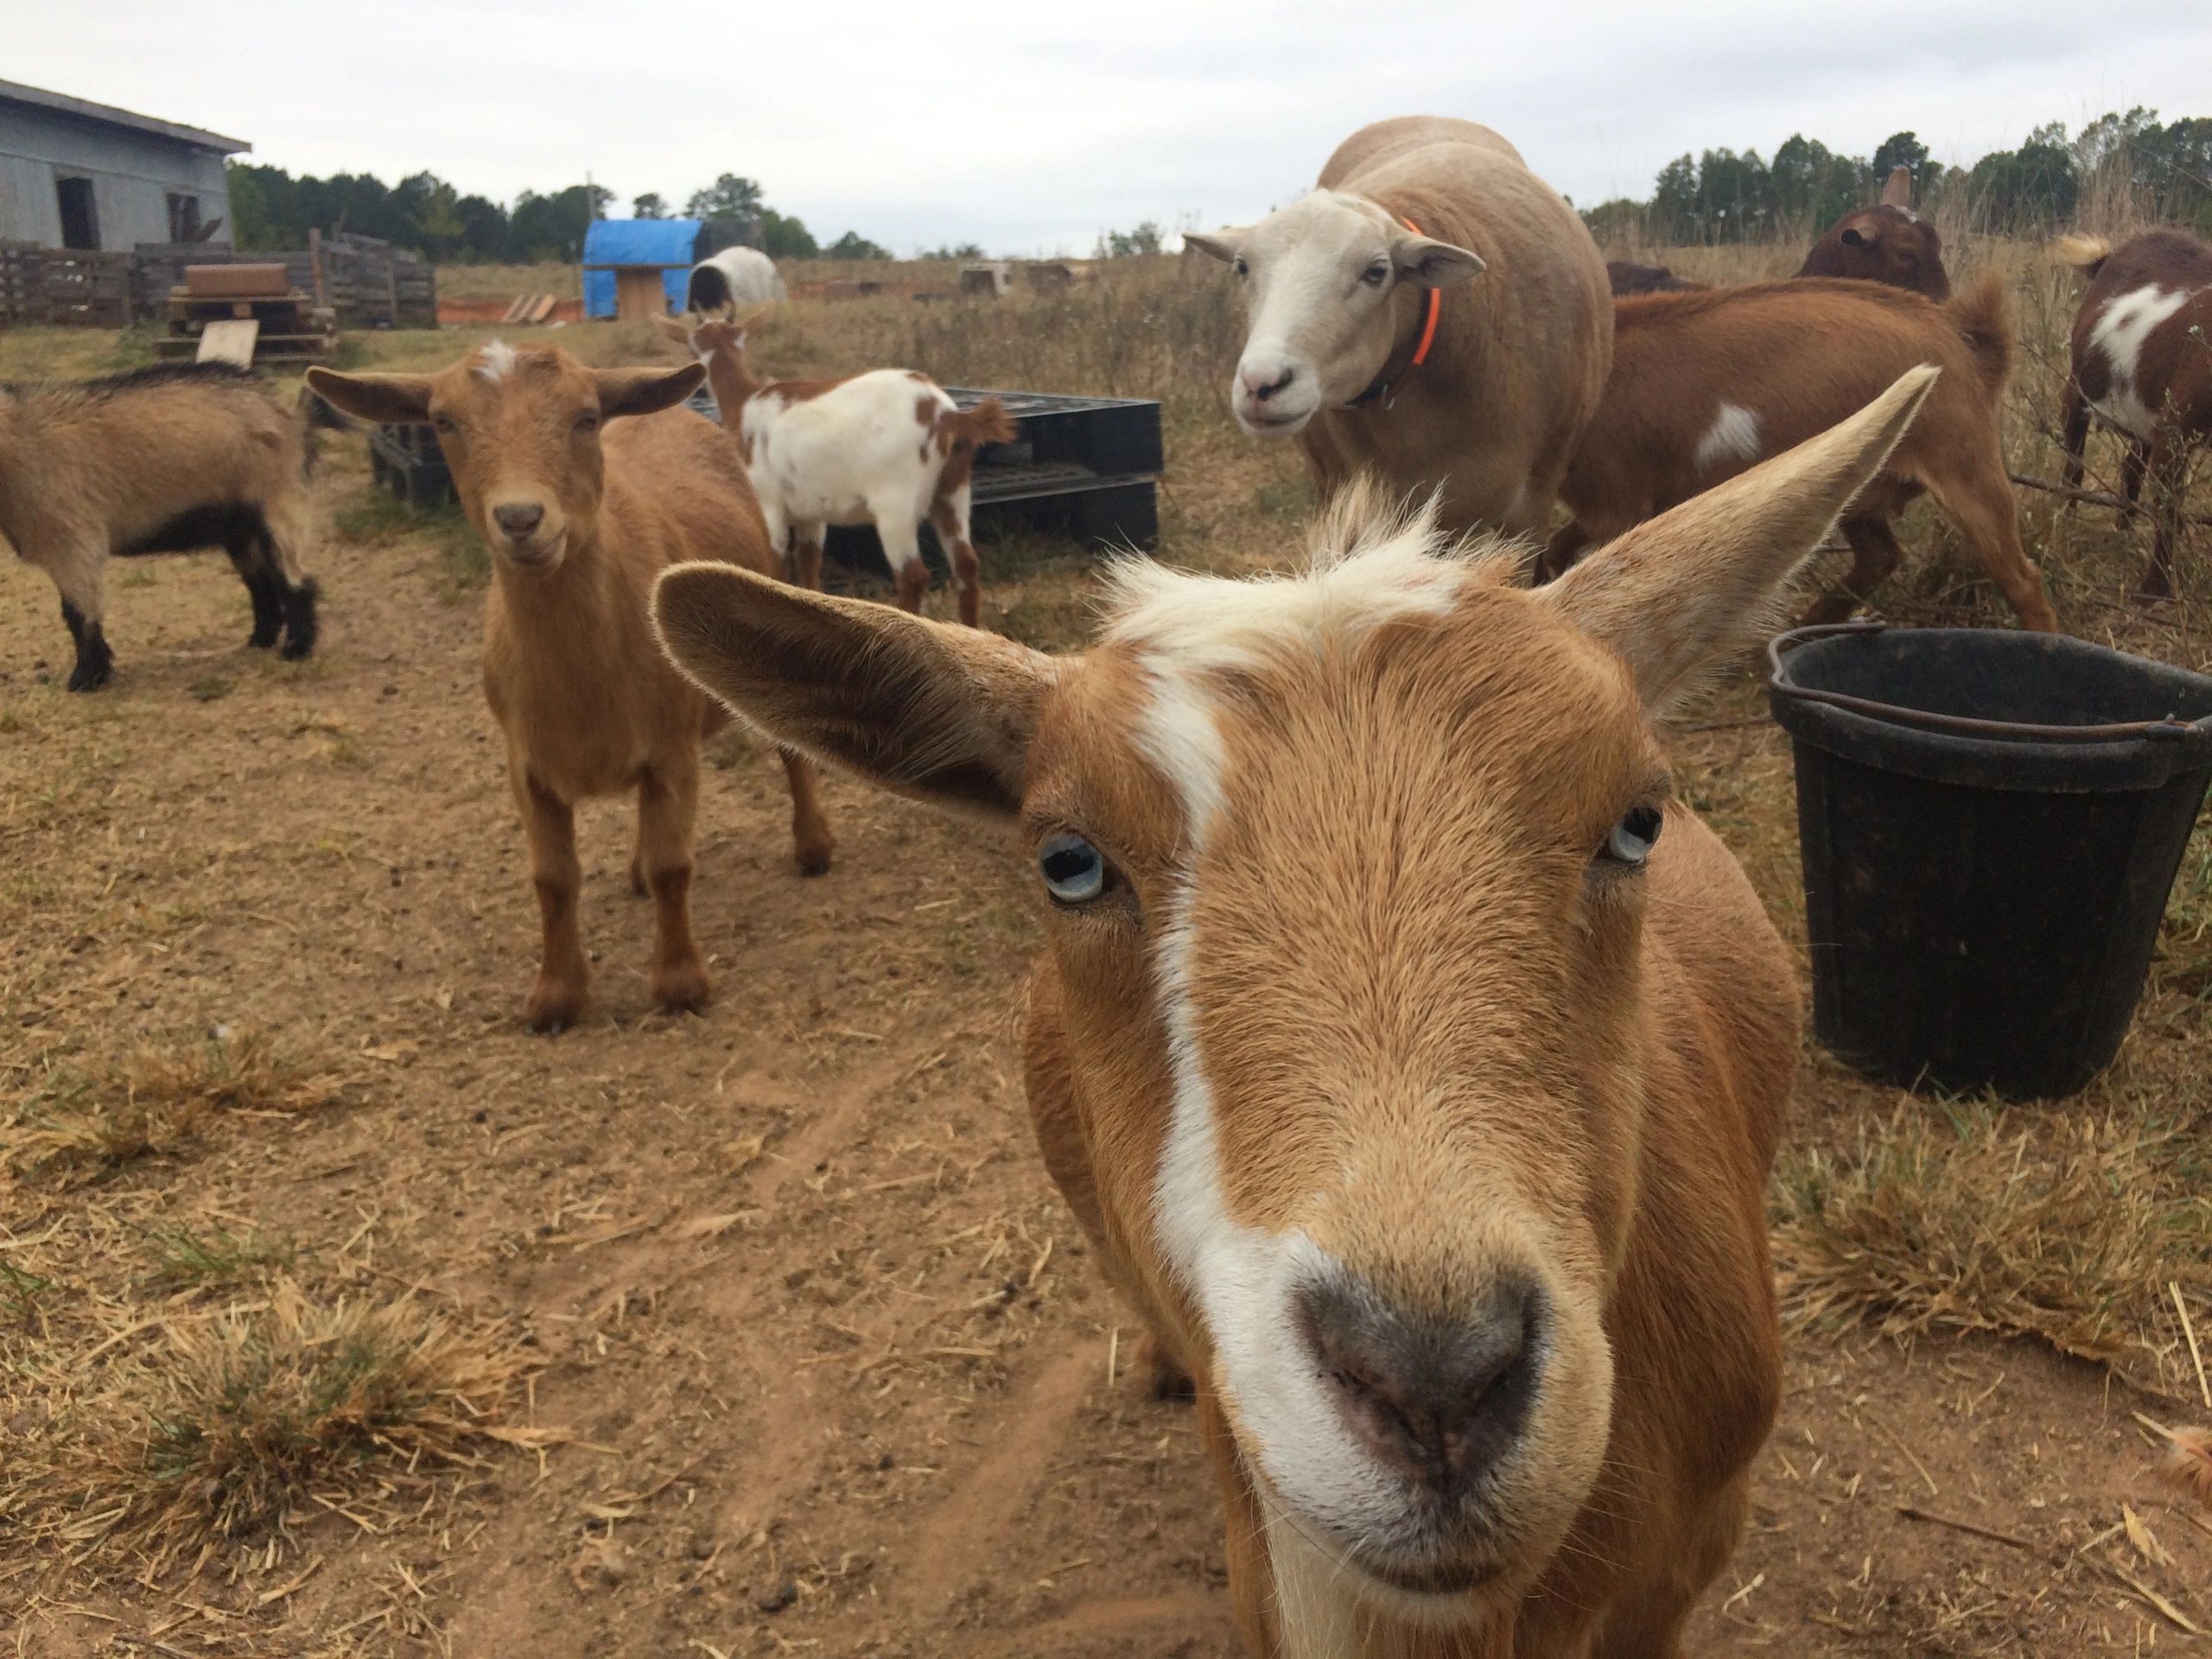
x=370 y=284
x=63 y=287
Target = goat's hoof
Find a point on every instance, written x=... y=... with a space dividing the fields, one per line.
x=90 y=677
x=297 y=650
x=682 y=989
x=553 y=1007
x=261 y=639
x=1157 y=1373
x=814 y=861
x=2155 y=585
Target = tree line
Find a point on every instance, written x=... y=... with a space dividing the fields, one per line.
x=270 y=209
x=2164 y=169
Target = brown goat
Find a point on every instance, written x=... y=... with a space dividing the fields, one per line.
x=164 y=459
x=2142 y=363
x=1625 y=278
x=1887 y=243
x=1405 y=1051
x=1706 y=384
x=579 y=526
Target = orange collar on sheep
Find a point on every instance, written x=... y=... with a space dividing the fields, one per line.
x=1379 y=389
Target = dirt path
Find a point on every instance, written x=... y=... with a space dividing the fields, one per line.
x=834 y=1360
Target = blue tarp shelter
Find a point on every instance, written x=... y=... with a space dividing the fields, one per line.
x=670 y=245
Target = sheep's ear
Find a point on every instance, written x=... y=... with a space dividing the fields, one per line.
x=1897 y=191
x=641 y=391
x=1694 y=581
x=942 y=714
x=1224 y=246
x=677 y=328
x=1428 y=263
x=379 y=399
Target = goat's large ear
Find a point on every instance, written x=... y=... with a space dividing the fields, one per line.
x=380 y=399
x=942 y=714
x=1680 y=589
x=1427 y=263
x=642 y=392
x=1224 y=246
x=1897 y=192
x=677 y=328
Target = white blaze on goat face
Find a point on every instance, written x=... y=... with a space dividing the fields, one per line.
x=494 y=359
x=2119 y=337
x=1330 y=284
x=1320 y=1130
x=1733 y=440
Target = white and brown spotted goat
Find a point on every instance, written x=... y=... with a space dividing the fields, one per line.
x=889 y=448
x=579 y=524
x=1408 y=1053
x=164 y=459
x=2143 y=364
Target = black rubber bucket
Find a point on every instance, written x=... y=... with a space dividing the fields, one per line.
x=1991 y=821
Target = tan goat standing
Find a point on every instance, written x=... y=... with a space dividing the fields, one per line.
x=163 y=460
x=579 y=525
x=1409 y=1053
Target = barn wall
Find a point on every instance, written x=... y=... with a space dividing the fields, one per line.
x=132 y=173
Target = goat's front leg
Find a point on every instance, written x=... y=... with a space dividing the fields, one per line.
x=2074 y=434
x=802 y=568
x=667 y=802
x=549 y=824
x=2131 y=465
x=2167 y=468
x=80 y=574
x=902 y=551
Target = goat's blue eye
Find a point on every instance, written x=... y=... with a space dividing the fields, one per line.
x=1074 y=870
x=1376 y=274
x=1634 y=836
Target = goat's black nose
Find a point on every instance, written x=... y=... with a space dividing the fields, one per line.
x=1263 y=391
x=518 y=519
x=1438 y=1399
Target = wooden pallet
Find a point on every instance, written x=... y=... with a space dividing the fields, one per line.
x=529 y=308
x=268 y=348
x=295 y=313
x=229 y=341
x=284 y=328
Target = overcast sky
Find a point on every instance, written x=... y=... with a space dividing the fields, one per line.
x=1028 y=126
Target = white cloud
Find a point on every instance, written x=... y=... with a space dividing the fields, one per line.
x=1029 y=128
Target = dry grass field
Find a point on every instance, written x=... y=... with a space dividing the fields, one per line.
x=338 y=1316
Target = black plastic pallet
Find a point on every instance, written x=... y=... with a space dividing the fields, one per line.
x=407 y=461
x=1081 y=469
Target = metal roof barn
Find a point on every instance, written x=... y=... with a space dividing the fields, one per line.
x=79 y=174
